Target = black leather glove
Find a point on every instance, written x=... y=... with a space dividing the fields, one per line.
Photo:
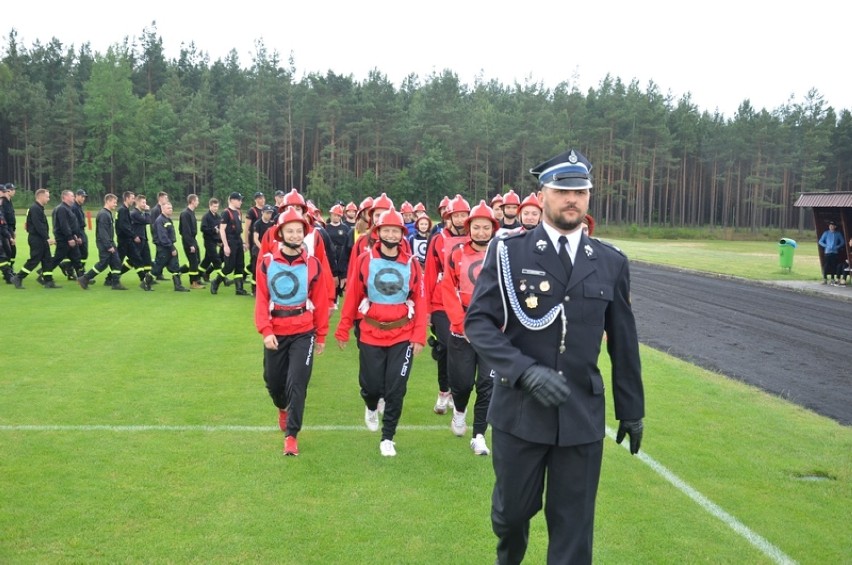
x=633 y=428
x=545 y=385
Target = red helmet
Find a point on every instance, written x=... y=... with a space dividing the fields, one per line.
x=293 y=198
x=511 y=198
x=497 y=201
x=419 y=207
x=366 y=204
x=406 y=208
x=445 y=201
x=391 y=218
x=590 y=221
x=350 y=207
x=457 y=204
x=481 y=210
x=531 y=200
x=382 y=203
x=423 y=217
x=291 y=215
x=336 y=209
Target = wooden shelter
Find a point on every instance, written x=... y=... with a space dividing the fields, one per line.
x=829 y=206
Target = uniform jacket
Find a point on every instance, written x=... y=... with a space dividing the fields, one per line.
x=356 y=292
x=460 y=272
x=596 y=300
x=65 y=226
x=80 y=215
x=37 y=226
x=123 y=224
x=8 y=210
x=163 y=232
x=139 y=221
x=315 y=246
x=316 y=319
x=104 y=230
x=188 y=227
x=210 y=227
x=436 y=255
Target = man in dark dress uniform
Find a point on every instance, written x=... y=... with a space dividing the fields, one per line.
x=165 y=238
x=538 y=313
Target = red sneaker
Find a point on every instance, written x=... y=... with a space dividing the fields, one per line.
x=282 y=420
x=291 y=446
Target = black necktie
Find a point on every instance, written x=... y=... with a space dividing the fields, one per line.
x=564 y=256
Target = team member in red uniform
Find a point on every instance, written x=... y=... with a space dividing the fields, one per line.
x=313 y=241
x=387 y=293
x=497 y=206
x=465 y=368
x=511 y=203
x=530 y=212
x=455 y=214
x=291 y=312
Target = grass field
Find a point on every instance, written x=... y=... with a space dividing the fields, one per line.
x=135 y=428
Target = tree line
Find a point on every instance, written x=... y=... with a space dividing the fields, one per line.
x=129 y=119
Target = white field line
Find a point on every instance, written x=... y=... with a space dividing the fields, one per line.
x=763 y=545
x=165 y=428
x=753 y=538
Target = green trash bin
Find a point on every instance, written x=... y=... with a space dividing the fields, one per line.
x=786 y=250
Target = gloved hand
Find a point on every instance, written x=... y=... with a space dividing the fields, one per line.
x=633 y=428
x=545 y=385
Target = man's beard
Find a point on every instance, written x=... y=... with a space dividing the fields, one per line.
x=558 y=222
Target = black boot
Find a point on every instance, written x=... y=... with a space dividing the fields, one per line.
x=83 y=281
x=240 y=290
x=178 y=286
x=116 y=282
x=214 y=284
x=108 y=279
x=48 y=283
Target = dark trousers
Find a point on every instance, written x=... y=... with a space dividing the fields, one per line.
x=107 y=259
x=212 y=257
x=193 y=259
x=466 y=370
x=831 y=260
x=384 y=374
x=130 y=253
x=166 y=260
x=441 y=327
x=84 y=248
x=65 y=251
x=286 y=372
x=39 y=253
x=523 y=472
x=235 y=262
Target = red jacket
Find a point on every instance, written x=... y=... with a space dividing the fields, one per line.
x=436 y=256
x=315 y=246
x=460 y=273
x=317 y=292
x=411 y=329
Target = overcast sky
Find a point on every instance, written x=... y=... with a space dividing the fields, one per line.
x=721 y=52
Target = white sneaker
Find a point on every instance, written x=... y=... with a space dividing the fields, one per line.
x=458 y=425
x=477 y=444
x=371 y=418
x=381 y=407
x=387 y=449
x=444 y=399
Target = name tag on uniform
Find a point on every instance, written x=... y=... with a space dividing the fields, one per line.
x=533 y=272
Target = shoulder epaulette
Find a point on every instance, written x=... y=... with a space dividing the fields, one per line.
x=608 y=244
